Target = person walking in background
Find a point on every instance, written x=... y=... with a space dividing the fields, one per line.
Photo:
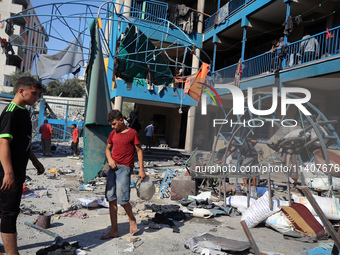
x=75 y=140
x=149 y=135
x=15 y=150
x=46 y=134
x=122 y=144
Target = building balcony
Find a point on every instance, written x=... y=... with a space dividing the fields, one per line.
x=226 y=11
x=19 y=20
x=18 y=52
x=308 y=51
x=9 y=70
x=24 y=3
x=16 y=37
x=150 y=10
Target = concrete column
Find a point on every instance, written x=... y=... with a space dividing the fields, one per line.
x=195 y=64
x=195 y=59
x=127 y=5
x=118 y=105
x=200 y=8
x=190 y=129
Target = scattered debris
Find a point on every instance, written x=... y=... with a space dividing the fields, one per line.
x=206 y=243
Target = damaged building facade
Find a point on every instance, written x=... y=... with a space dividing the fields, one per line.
x=21 y=58
x=278 y=43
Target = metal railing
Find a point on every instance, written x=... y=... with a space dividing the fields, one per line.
x=227 y=74
x=312 y=48
x=309 y=49
x=209 y=22
x=157 y=10
x=233 y=6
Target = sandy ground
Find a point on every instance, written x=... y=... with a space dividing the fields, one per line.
x=87 y=231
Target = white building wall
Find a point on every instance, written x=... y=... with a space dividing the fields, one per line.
x=6 y=9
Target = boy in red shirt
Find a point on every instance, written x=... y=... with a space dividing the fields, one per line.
x=75 y=140
x=122 y=144
x=46 y=133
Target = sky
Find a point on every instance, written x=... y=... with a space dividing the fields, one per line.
x=60 y=33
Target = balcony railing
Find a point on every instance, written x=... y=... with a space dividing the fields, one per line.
x=150 y=10
x=227 y=74
x=310 y=49
x=228 y=10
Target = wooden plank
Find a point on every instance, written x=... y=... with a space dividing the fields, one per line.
x=250 y=238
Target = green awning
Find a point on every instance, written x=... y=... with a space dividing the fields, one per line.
x=137 y=57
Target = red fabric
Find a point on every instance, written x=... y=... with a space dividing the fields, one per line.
x=75 y=135
x=328 y=34
x=303 y=220
x=123 y=150
x=45 y=130
x=3 y=41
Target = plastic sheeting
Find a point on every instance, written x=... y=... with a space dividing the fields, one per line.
x=98 y=105
x=138 y=58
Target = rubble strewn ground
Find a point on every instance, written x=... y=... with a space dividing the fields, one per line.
x=59 y=192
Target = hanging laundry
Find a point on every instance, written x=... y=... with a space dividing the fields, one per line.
x=298 y=20
x=222 y=15
x=238 y=74
x=6 y=47
x=52 y=67
x=182 y=10
x=288 y=25
x=172 y=13
x=329 y=34
x=195 y=90
x=9 y=30
x=186 y=18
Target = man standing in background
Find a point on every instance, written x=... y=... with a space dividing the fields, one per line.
x=149 y=135
x=75 y=140
x=46 y=134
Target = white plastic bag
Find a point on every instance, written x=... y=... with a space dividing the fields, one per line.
x=260 y=211
x=329 y=205
x=279 y=222
x=145 y=189
x=239 y=201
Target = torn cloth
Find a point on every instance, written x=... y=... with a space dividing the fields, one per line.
x=68 y=60
x=63 y=249
x=195 y=90
x=216 y=245
x=209 y=205
x=166 y=214
x=75 y=214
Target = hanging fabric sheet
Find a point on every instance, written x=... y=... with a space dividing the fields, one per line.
x=222 y=15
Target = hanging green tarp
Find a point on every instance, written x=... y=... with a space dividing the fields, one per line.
x=137 y=57
x=97 y=128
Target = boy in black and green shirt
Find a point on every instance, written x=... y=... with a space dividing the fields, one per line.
x=15 y=150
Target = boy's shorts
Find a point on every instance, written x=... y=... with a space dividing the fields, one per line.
x=118 y=184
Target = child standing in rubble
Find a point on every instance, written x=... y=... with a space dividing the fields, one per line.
x=122 y=144
x=15 y=150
